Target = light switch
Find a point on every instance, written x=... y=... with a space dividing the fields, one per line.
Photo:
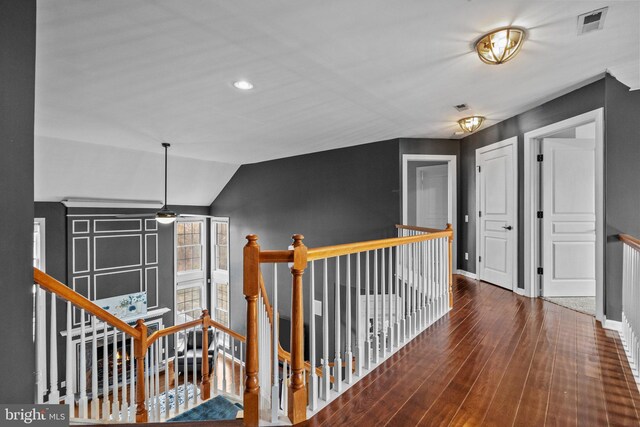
x=317 y=307
x=466 y=255
x=466 y=218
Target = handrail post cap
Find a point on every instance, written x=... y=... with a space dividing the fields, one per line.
x=140 y=322
x=252 y=237
x=205 y=312
x=297 y=239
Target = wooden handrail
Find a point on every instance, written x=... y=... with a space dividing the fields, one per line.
x=54 y=286
x=630 y=240
x=416 y=228
x=352 y=248
x=198 y=322
x=276 y=256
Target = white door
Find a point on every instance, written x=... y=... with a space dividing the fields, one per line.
x=569 y=217
x=497 y=215
x=432 y=196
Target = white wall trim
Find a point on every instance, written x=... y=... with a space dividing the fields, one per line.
x=513 y=141
x=112 y=203
x=467 y=274
x=613 y=325
x=531 y=184
x=520 y=291
x=453 y=190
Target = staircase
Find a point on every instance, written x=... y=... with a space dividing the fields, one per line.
x=364 y=300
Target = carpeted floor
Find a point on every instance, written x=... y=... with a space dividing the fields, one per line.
x=218 y=408
x=586 y=305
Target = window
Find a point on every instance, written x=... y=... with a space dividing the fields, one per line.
x=190 y=269
x=189 y=246
x=221 y=270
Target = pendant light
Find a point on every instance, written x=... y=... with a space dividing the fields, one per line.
x=164 y=215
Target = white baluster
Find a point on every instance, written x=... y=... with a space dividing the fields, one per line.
x=167 y=374
x=242 y=359
x=403 y=289
x=396 y=324
x=326 y=383
x=116 y=402
x=82 y=403
x=185 y=364
x=275 y=389
x=224 y=358
x=69 y=399
x=106 y=410
x=285 y=387
x=337 y=362
x=348 y=355
x=54 y=391
x=195 y=367
x=313 y=377
x=390 y=300
x=40 y=344
x=176 y=370
x=360 y=322
x=95 y=400
x=383 y=284
x=375 y=347
x=367 y=329
x=123 y=359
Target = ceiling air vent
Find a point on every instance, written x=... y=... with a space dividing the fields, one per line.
x=461 y=107
x=591 y=21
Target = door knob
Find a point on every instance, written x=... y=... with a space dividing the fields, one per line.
x=507 y=227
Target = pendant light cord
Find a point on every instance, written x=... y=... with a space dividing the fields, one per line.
x=166 y=146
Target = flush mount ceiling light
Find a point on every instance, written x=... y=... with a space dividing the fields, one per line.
x=499 y=46
x=471 y=124
x=243 y=85
x=164 y=215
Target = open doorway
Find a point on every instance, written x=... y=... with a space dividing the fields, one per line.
x=429 y=192
x=564 y=224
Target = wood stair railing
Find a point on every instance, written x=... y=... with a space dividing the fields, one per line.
x=144 y=345
x=416 y=286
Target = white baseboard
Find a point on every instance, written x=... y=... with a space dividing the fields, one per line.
x=520 y=291
x=614 y=325
x=467 y=274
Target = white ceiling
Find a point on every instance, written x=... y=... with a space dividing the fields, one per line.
x=130 y=74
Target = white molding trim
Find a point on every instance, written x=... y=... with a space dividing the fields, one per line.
x=452 y=196
x=613 y=325
x=520 y=291
x=513 y=141
x=111 y=203
x=97 y=221
x=531 y=181
x=467 y=274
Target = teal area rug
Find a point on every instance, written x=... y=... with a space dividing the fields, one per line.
x=217 y=408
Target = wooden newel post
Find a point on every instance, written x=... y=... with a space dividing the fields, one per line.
x=297 y=390
x=142 y=415
x=206 y=385
x=251 y=289
x=450 y=228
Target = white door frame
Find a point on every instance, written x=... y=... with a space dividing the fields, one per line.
x=513 y=141
x=452 y=191
x=531 y=189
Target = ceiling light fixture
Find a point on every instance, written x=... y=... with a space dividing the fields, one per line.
x=499 y=46
x=243 y=85
x=471 y=124
x=164 y=215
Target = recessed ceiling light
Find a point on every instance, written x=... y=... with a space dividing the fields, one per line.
x=243 y=85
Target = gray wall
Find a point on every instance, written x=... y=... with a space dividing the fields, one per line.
x=17 y=83
x=331 y=197
x=584 y=99
x=55 y=215
x=622 y=183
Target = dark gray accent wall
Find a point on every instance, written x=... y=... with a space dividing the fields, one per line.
x=17 y=83
x=582 y=100
x=331 y=197
x=622 y=184
x=55 y=215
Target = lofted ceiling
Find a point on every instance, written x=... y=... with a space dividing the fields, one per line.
x=129 y=74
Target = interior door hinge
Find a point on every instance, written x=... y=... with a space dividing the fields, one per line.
x=539 y=157
x=479 y=214
x=540 y=214
x=540 y=271
x=479 y=259
x=478 y=169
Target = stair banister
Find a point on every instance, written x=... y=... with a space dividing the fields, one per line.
x=251 y=289
x=297 y=404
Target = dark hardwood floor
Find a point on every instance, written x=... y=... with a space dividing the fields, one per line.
x=497 y=359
